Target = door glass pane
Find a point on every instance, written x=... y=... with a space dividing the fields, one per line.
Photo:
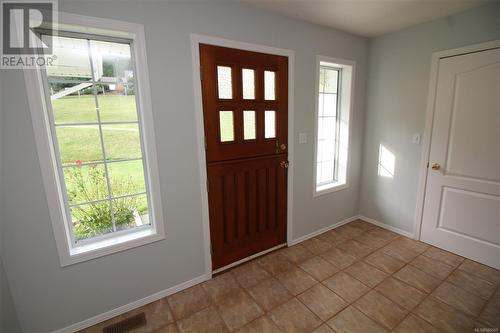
x=91 y=220
x=270 y=124
x=121 y=141
x=126 y=177
x=226 y=126
x=79 y=143
x=269 y=85
x=131 y=212
x=225 y=82
x=249 y=125
x=85 y=183
x=248 y=76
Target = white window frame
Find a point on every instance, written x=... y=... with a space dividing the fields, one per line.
x=34 y=78
x=345 y=100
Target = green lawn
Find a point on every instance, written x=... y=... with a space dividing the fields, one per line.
x=83 y=143
x=114 y=108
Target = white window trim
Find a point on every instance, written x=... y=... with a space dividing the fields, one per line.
x=41 y=126
x=346 y=92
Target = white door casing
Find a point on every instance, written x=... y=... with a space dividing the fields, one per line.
x=462 y=199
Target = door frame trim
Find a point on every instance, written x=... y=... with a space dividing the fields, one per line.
x=196 y=39
x=429 y=117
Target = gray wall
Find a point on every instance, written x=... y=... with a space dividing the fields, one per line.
x=8 y=316
x=398 y=78
x=49 y=297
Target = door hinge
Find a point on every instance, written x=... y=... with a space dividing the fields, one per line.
x=201 y=73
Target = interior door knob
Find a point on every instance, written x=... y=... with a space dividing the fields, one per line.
x=282 y=146
x=284 y=164
x=436 y=166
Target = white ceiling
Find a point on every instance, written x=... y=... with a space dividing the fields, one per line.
x=367 y=18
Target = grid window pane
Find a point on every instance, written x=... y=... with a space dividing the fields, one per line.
x=126 y=178
x=72 y=61
x=225 y=82
x=327 y=105
x=269 y=124
x=226 y=126
x=131 y=212
x=85 y=183
x=269 y=85
x=91 y=220
x=249 y=132
x=328 y=78
x=116 y=102
x=327 y=128
x=72 y=102
x=79 y=143
x=122 y=141
x=248 y=76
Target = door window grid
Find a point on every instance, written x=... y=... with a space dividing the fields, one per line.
x=104 y=161
x=328 y=126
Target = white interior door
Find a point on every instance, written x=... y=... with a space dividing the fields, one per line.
x=462 y=199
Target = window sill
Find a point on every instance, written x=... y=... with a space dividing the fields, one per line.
x=111 y=245
x=329 y=188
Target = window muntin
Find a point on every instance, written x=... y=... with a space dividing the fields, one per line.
x=97 y=134
x=334 y=91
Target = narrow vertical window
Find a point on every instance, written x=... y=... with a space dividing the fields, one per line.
x=332 y=124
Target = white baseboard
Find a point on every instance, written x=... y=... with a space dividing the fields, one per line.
x=385 y=226
x=322 y=230
x=131 y=306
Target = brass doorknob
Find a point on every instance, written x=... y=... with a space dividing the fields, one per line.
x=282 y=146
x=284 y=164
x=436 y=166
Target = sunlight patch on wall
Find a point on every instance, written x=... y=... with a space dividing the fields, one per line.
x=386 y=162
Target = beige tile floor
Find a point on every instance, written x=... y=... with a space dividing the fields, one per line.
x=356 y=278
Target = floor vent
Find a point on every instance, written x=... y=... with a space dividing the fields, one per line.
x=126 y=325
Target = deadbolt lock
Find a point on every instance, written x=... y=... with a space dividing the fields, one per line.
x=436 y=166
x=282 y=146
x=284 y=164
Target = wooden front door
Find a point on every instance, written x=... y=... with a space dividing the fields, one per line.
x=245 y=109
